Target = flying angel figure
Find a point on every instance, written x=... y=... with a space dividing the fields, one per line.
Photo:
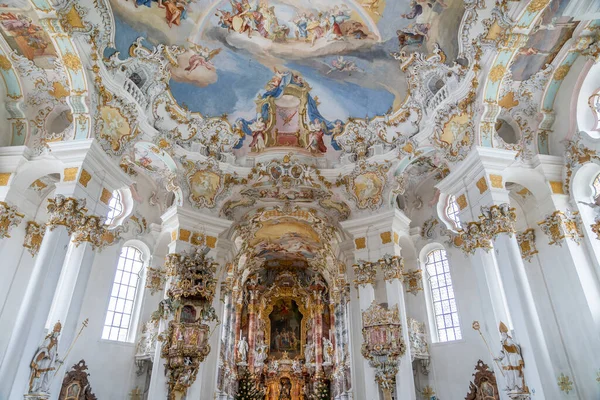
x=342 y=65
x=201 y=57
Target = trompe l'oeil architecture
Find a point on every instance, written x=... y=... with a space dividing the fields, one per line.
x=299 y=200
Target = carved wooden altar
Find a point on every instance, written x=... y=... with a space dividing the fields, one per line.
x=484 y=385
x=75 y=385
x=284 y=384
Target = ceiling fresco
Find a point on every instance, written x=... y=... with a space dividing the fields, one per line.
x=239 y=52
x=553 y=31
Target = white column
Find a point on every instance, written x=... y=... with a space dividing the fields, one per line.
x=12 y=251
x=32 y=316
x=67 y=303
x=538 y=365
x=405 y=382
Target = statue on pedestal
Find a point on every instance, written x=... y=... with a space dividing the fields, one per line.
x=512 y=363
x=43 y=363
x=327 y=351
x=242 y=348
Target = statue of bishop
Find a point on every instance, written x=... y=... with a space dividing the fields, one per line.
x=512 y=363
x=44 y=362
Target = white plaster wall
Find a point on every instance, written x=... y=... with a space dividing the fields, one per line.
x=452 y=363
x=111 y=364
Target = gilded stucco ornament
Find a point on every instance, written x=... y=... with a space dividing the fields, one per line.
x=577 y=154
x=473 y=237
x=526 y=240
x=360 y=135
x=364 y=273
x=493 y=221
x=392 y=267
x=34 y=234
x=419 y=347
x=383 y=344
x=65 y=211
x=560 y=226
x=91 y=229
x=9 y=217
x=205 y=182
x=498 y=219
x=192 y=273
x=189 y=301
x=155 y=280
x=366 y=183
x=413 y=281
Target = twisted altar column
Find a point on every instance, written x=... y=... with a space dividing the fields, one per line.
x=251 y=328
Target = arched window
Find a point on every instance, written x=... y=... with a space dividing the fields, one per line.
x=452 y=211
x=596 y=186
x=443 y=303
x=121 y=306
x=115 y=208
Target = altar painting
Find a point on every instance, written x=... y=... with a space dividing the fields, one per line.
x=286 y=327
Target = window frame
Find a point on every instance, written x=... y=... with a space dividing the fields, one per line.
x=138 y=296
x=434 y=332
x=112 y=216
x=453 y=216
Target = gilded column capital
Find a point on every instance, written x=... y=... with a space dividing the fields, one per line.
x=526 y=240
x=473 y=237
x=498 y=219
x=91 y=229
x=392 y=267
x=365 y=273
x=65 y=211
x=9 y=217
x=494 y=220
x=34 y=234
x=560 y=226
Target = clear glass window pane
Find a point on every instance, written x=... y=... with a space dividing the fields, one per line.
x=452 y=212
x=442 y=294
x=120 y=306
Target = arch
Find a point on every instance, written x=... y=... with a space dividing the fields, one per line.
x=446 y=201
x=125 y=298
x=441 y=303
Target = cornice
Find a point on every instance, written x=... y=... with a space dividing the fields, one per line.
x=481 y=159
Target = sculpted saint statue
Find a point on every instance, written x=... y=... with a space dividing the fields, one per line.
x=512 y=362
x=242 y=348
x=327 y=351
x=308 y=353
x=44 y=361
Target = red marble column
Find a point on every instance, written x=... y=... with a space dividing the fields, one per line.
x=238 y=329
x=332 y=323
x=318 y=332
x=251 y=329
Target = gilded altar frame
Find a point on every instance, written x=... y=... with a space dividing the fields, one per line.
x=286 y=293
x=292 y=90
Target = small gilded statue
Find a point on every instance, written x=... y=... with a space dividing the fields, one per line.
x=44 y=361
